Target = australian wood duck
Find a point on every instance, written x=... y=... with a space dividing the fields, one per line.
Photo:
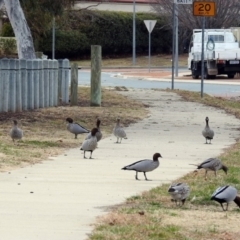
x=144 y=166
x=98 y=134
x=89 y=145
x=16 y=133
x=119 y=132
x=75 y=128
x=212 y=164
x=226 y=194
x=179 y=192
x=207 y=132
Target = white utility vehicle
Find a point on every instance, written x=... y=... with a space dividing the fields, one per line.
x=221 y=53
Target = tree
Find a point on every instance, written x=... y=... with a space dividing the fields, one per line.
x=227 y=14
x=21 y=30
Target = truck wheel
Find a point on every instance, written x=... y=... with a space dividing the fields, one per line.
x=230 y=75
x=206 y=75
x=195 y=76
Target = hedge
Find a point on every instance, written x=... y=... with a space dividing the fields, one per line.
x=111 y=30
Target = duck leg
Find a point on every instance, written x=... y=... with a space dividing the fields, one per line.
x=90 y=155
x=206 y=175
x=117 y=140
x=75 y=136
x=84 y=154
x=136 y=177
x=145 y=176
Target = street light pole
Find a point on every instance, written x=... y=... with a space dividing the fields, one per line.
x=134 y=34
x=173 y=43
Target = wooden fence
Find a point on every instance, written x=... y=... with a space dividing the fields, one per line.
x=33 y=84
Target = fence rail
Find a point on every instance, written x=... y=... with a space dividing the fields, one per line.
x=33 y=84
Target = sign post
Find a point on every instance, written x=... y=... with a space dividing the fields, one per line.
x=175 y=37
x=203 y=9
x=150 y=24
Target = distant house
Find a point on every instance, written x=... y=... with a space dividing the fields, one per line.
x=116 y=5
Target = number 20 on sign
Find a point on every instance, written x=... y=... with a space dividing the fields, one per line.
x=206 y=9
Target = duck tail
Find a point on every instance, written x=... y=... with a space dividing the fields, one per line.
x=237 y=200
x=125 y=138
x=81 y=149
x=124 y=168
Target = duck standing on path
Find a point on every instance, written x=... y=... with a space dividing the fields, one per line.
x=226 y=194
x=75 y=128
x=119 y=132
x=144 y=166
x=212 y=164
x=16 y=133
x=98 y=134
x=207 y=132
x=179 y=192
x=89 y=145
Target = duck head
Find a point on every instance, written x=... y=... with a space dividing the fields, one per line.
x=69 y=120
x=156 y=156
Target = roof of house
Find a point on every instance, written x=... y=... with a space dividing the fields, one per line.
x=127 y=1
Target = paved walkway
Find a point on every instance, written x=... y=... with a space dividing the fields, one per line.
x=61 y=198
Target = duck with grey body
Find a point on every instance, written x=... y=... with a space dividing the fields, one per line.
x=179 y=192
x=226 y=194
x=207 y=132
x=89 y=145
x=75 y=128
x=98 y=134
x=211 y=164
x=119 y=132
x=144 y=166
x=16 y=133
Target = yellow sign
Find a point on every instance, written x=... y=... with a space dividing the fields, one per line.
x=205 y=9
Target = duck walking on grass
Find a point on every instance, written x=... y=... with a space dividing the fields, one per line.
x=207 y=132
x=75 y=128
x=89 y=145
x=179 y=192
x=119 y=132
x=16 y=133
x=98 y=134
x=212 y=164
x=144 y=166
x=226 y=194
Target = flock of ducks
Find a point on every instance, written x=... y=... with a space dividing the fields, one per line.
x=178 y=191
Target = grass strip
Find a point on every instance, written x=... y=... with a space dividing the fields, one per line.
x=151 y=215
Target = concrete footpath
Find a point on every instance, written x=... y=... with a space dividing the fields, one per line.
x=61 y=198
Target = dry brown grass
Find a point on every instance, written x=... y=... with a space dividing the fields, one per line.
x=45 y=131
x=160 y=60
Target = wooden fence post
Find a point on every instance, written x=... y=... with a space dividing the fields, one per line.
x=55 y=83
x=36 y=82
x=96 y=62
x=74 y=85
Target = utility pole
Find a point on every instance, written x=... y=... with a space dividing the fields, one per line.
x=134 y=34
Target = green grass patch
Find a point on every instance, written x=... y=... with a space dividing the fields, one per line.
x=41 y=144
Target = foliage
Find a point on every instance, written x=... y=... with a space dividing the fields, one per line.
x=111 y=30
x=8 y=45
x=7 y=30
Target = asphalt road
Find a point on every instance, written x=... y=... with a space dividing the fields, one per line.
x=112 y=79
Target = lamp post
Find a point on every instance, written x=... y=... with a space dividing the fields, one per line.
x=134 y=34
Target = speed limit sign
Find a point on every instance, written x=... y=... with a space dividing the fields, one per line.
x=206 y=9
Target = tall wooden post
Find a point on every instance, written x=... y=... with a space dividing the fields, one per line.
x=74 y=85
x=96 y=65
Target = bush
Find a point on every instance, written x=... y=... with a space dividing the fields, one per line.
x=8 y=45
x=112 y=30
x=7 y=30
